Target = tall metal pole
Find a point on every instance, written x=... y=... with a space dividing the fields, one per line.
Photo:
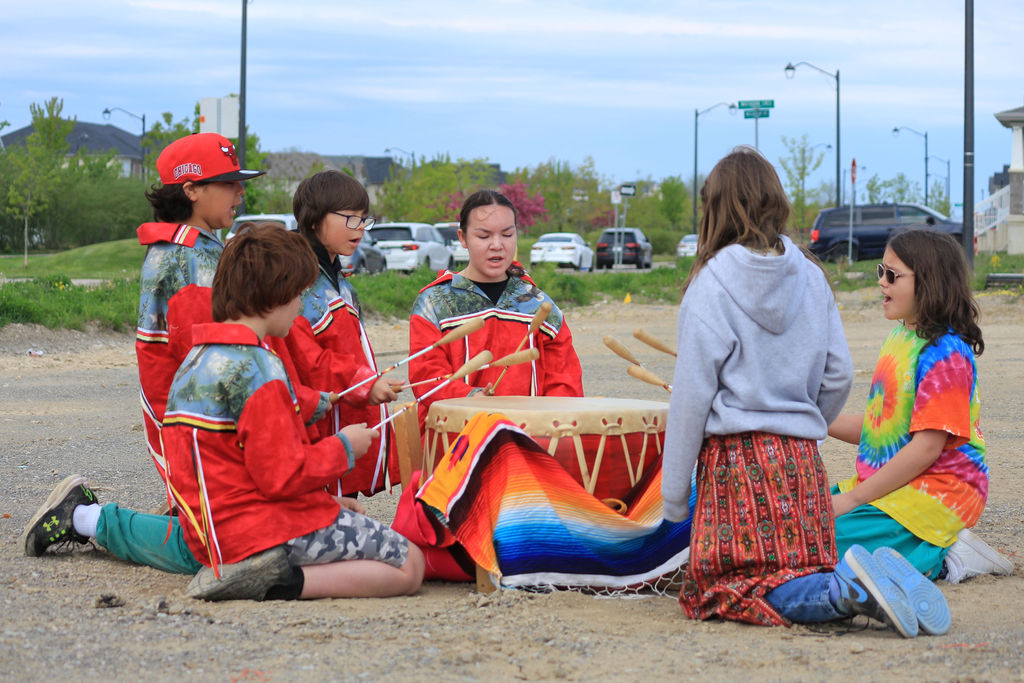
x=241 y=96
x=968 y=221
x=838 y=154
x=696 y=115
x=926 y=168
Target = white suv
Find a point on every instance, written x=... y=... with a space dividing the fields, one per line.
x=407 y=246
x=450 y=233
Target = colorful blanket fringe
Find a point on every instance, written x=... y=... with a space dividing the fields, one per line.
x=524 y=519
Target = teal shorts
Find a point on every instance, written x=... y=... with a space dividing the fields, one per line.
x=868 y=526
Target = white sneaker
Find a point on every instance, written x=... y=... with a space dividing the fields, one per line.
x=970 y=556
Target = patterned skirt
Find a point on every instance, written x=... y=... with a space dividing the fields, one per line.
x=763 y=517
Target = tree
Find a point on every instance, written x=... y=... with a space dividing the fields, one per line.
x=572 y=196
x=33 y=168
x=939 y=199
x=432 y=191
x=529 y=207
x=674 y=201
x=801 y=162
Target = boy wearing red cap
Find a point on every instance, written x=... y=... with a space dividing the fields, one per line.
x=202 y=186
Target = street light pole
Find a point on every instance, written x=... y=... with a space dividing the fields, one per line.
x=696 y=115
x=896 y=131
x=142 y=138
x=790 y=70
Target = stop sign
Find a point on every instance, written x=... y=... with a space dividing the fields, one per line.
x=853 y=172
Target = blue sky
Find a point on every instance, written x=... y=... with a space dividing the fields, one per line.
x=523 y=81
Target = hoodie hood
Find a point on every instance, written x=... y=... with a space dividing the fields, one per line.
x=769 y=289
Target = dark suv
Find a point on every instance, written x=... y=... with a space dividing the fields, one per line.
x=872 y=225
x=632 y=243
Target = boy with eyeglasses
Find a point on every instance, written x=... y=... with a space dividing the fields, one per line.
x=328 y=343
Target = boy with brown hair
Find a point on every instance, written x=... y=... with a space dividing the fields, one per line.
x=239 y=458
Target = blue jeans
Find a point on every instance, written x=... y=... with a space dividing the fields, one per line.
x=805 y=600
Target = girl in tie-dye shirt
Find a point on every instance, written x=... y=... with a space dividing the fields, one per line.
x=921 y=470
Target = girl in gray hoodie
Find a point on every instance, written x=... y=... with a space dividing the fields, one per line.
x=763 y=369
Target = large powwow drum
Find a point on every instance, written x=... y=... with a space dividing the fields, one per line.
x=606 y=444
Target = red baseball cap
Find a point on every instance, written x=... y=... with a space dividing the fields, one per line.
x=206 y=157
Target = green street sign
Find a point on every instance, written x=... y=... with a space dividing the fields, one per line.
x=756 y=104
x=756 y=114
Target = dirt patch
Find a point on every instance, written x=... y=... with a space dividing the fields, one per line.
x=85 y=615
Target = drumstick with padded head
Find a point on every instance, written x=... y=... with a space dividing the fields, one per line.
x=645 y=375
x=616 y=346
x=652 y=341
x=538 y=319
x=471 y=366
x=524 y=356
x=459 y=332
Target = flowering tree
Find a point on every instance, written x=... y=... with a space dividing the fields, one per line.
x=529 y=207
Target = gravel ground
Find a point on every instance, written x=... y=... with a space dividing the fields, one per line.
x=88 y=616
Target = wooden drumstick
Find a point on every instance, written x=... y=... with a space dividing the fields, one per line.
x=652 y=341
x=524 y=356
x=645 y=375
x=459 y=332
x=538 y=319
x=620 y=350
x=471 y=366
x=422 y=381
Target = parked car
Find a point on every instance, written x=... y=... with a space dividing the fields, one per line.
x=450 y=233
x=564 y=248
x=285 y=220
x=368 y=258
x=631 y=243
x=407 y=246
x=872 y=226
x=687 y=246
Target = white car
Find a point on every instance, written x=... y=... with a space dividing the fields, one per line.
x=450 y=233
x=563 y=248
x=407 y=246
x=687 y=246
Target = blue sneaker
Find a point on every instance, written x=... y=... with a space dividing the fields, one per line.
x=865 y=588
x=927 y=600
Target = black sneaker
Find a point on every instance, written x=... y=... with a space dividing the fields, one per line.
x=249 y=579
x=52 y=523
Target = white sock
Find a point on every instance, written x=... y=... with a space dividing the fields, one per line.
x=85 y=518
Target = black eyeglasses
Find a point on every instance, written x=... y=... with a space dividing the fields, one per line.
x=354 y=222
x=889 y=274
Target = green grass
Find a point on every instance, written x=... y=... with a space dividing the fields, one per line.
x=56 y=303
x=106 y=260
x=50 y=299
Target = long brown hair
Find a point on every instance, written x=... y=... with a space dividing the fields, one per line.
x=942 y=290
x=744 y=203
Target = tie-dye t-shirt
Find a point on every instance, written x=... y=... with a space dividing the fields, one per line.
x=920 y=386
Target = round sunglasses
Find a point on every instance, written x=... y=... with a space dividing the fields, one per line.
x=889 y=274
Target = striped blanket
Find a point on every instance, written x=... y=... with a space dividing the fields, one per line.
x=526 y=521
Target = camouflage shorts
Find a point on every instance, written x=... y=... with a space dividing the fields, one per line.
x=352 y=536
